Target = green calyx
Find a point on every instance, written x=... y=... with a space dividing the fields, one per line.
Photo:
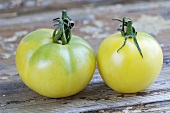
x=129 y=33
x=62 y=33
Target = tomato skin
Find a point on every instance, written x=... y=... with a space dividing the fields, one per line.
x=52 y=69
x=126 y=71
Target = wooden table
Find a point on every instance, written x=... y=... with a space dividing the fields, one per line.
x=93 y=24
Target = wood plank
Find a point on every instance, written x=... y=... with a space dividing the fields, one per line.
x=25 y=7
x=15 y=96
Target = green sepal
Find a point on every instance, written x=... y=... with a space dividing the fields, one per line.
x=62 y=33
x=129 y=33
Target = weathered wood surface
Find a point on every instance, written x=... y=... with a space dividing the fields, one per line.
x=93 y=24
x=15 y=96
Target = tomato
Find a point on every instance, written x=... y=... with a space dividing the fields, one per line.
x=53 y=69
x=128 y=68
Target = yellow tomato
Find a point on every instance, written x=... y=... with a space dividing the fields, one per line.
x=52 y=69
x=126 y=71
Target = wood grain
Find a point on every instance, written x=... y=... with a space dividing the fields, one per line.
x=16 y=97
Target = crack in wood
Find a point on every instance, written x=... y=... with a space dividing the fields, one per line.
x=152 y=92
x=141 y=107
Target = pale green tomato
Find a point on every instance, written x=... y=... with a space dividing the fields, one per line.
x=126 y=71
x=52 y=69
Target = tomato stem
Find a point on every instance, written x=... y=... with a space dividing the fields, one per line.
x=129 y=33
x=62 y=33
